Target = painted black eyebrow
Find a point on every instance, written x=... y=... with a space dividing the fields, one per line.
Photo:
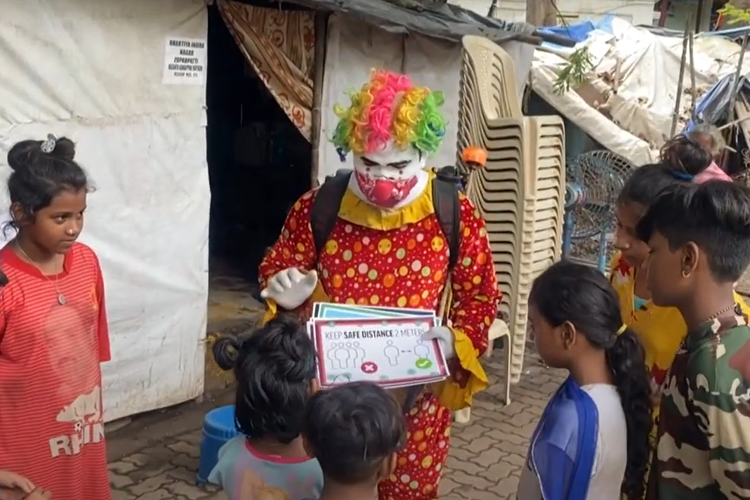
x=398 y=164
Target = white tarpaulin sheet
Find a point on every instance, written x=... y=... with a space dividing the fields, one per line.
x=355 y=48
x=93 y=71
x=637 y=72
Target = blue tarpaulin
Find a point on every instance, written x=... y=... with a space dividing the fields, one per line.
x=713 y=106
x=579 y=31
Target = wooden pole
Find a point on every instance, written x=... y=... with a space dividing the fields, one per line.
x=550 y=13
x=534 y=12
x=493 y=9
x=703 y=16
x=693 y=87
x=678 y=98
x=733 y=98
x=698 y=13
x=733 y=123
x=541 y=13
x=737 y=78
x=663 y=11
x=321 y=35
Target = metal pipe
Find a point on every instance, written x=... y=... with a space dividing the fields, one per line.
x=678 y=97
x=737 y=78
x=693 y=88
x=733 y=97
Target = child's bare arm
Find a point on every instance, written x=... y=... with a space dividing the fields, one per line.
x=39 y=494
x=12 y=494
x=17 y=494
x=12 y=481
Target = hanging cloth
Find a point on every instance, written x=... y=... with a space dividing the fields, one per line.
x=280 y=47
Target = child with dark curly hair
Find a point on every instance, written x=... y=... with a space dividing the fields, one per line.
x=275 y=371
x=354 y=431
x=691 y=156
x=705 y=135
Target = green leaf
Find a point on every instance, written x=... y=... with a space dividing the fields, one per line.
x=735 y=15
x=575 y=71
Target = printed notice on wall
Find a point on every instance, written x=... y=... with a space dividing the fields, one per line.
x=185 y=61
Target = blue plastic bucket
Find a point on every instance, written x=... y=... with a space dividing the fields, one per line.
x=218 y=428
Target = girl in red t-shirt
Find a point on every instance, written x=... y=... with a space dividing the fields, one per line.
x=53 y=329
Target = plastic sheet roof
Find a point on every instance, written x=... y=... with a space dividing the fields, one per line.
x=435 y=19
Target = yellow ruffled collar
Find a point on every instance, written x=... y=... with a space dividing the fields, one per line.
x=358 y=212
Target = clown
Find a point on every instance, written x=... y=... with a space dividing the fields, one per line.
x=387 y=247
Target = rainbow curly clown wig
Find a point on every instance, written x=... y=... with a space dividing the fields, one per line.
x=389 y=107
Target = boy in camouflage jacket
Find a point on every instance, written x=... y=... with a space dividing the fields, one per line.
x=699 y=240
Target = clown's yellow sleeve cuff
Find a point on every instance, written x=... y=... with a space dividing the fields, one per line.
x=451 y=394
x=271 y=310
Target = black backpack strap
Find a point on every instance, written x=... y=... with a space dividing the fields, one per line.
x=448 y=212
x=445 y=200
x=325 y=209
x=411 y=397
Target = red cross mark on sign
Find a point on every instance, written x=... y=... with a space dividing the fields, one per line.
x=369 y=367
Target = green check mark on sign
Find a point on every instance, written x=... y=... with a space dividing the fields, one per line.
x=424 y=363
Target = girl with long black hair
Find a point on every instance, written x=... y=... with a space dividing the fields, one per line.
x=592 y=440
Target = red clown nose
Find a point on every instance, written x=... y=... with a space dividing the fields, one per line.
x=383 y=193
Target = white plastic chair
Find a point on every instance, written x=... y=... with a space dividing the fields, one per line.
x=498 y=329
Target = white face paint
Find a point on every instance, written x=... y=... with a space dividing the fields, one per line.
x=390 y=178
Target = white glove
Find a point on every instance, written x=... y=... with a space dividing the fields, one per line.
x=445 y=336
x=290 y=288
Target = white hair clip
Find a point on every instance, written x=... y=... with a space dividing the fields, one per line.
x=49 y=145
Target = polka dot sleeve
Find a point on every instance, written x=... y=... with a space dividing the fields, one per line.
x=295 y=246
x=473 y=309
x=475 y=292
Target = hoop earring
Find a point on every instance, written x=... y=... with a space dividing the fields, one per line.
x=685 y=274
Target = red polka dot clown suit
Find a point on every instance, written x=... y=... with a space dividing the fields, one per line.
x=387 y=248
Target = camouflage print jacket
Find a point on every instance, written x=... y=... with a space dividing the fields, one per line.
x=703 y=449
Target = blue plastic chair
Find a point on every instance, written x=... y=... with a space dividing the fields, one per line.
x=218 y=428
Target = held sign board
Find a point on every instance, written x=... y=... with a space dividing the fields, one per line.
x=185 y=61
x=375 y=344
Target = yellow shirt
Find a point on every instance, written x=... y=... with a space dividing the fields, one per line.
x=660 y=329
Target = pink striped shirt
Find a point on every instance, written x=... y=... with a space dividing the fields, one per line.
x=51 y=427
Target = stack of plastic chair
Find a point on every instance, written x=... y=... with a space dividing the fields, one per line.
x=542 y=209
x=521 y=190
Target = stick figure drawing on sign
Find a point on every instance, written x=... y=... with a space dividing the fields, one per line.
x=342 y=356
x=421 y=350
x=391 y=352
x=352 y=359
x=360 y=353
x=332 y=356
